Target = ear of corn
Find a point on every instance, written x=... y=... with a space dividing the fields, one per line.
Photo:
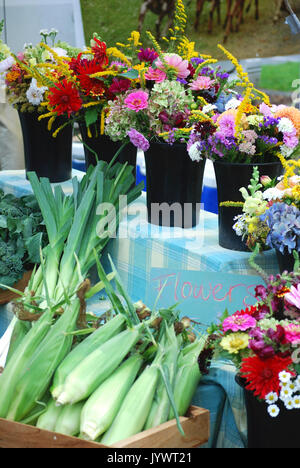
x=135 y=409
x=35 y=378
x=21 y=328
x=160 y=409
x=48 y=419
x=68 y=421
x=86 y=347
x=96 y=367
x=20 y=358
x=187 y=377
x=101 y=408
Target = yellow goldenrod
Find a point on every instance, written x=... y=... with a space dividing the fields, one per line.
x=241 y=110
x=118 y=54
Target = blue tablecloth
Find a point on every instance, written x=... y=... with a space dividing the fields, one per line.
x=138 y=249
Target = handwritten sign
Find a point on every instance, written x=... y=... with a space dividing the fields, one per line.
x=202 y=296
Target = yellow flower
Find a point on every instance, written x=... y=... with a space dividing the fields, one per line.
x=235 y=342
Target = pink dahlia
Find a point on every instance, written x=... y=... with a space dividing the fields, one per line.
x=238 y=322
x=138 y=100
x=293 y=297
x=202 y=82
x=176 y=63
x=155 y=75
x=292 y=333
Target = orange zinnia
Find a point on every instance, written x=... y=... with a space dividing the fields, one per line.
x=290 y=113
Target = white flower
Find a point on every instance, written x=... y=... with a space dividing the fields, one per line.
x=286 y=151
x=273 y=193
x=289 y=403
x=209 y=108
x=296 y=401
x=60 y=51
x=285 y=376
x=194 y=153
x=273 y=411
x=234 y=103
x=271 y=398
x=6 y=64
x=285 y=125
x=297 y=382
x=35 y=94
x=285 y=393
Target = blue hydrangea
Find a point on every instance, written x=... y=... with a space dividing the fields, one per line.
x=284 y=224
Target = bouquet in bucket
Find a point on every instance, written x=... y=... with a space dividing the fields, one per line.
x=263 y=342
x=163 y=86
x=25 y=74
x=271 y=211
x=249 y=130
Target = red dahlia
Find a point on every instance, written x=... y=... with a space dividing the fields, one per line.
x=93 y=86
x=64 y=98
x=262 y=375
x=99 y=51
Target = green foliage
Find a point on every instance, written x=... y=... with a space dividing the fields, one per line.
x=22 y=233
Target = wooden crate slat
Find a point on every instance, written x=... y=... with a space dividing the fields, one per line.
x=195 y=426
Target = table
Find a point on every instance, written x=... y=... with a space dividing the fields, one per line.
x=138 y=249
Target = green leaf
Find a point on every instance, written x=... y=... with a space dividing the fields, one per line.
x=91 y=116
x=33 y=245
x=3 y=222
x=131 y=74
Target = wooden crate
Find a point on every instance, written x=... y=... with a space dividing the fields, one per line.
x=6 y=296
x=195 y=426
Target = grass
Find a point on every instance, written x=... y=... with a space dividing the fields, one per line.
x=115 y=19
x=279 y=77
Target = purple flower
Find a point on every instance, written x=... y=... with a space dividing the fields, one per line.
x=227 y=125
x=147 y=55
x=138 y=140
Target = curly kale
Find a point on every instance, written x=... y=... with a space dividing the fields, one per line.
x=22 y=234
x=11 y=264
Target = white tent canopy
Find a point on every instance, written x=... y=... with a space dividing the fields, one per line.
x=25 y=18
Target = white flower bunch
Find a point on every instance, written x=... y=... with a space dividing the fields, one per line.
x=35 y=94
x=289 y=394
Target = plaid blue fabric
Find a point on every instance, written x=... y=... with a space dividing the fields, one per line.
x=140 y=247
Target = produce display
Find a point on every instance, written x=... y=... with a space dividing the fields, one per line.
x=72 y=372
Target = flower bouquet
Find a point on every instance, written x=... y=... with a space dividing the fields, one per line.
x=27 y=85
x=263 y=341
x=251 y=132
x=271 y=214
x=153 y=107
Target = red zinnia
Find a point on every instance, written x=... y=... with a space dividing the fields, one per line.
x=64 y=98
x=93 y=86
x=262 y=375
x=99 y=51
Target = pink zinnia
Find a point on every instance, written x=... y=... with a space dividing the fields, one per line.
x=155 y=75
x=293 y=297
x=239 y=322
x=292 y=333
x=202 y=82
x=175 y=62
x=227 y=125
x=138 y=100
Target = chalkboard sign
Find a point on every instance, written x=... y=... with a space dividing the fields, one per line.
x=200 y=295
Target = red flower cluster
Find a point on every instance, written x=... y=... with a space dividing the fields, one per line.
x=64 y=98
x=262 y=375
